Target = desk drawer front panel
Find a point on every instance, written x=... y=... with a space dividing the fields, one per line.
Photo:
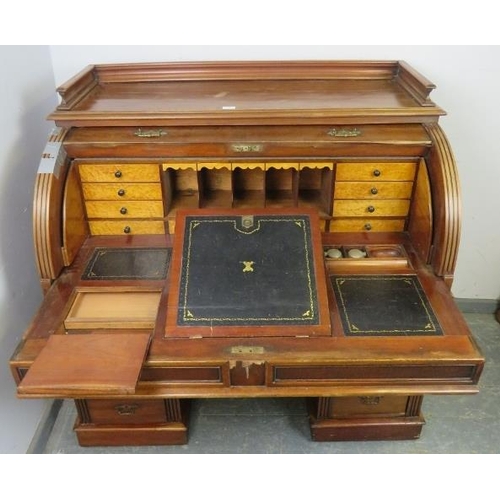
x=366 y=224
x=373 y=190
x=110 y=227
x=119 y=172
x=126 y=411
x=121 y=191
x=124 y=210
x=378 y=208
x=376 y=171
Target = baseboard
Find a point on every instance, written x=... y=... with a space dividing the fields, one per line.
x=42 y=434
x=478 y=306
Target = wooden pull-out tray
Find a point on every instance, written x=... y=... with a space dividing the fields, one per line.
x=78 y=365
x=94 y=308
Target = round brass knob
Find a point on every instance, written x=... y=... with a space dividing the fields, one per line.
x=376 y=173
x=123 y=210
x=368 y=227
x=127 y=229
x=374 y=191
x=371 y=209
x=121 y=192
x=118 y=174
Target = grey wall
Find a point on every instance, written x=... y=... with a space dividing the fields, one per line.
x=26 y=97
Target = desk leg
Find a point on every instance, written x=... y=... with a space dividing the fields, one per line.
x=366 y=418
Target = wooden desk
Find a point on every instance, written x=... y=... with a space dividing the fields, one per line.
x=353 y=146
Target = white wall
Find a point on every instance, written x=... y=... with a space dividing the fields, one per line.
x=467 y=80
x=26 y=97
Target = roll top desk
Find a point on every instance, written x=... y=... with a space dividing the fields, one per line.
x=246 y=229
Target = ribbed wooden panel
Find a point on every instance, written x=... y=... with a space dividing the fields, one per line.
x=83 y=411
x=173 y=410
x=446 y=196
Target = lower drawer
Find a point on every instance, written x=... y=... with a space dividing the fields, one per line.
x=360 y=224
x=124 y=209
x=108 y=227
x=380 y=208
x=126 y=411
x=368 y=406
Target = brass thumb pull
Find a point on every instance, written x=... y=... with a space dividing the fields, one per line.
x=127 y=229
x=368 y=227
x=374 y=191
x=118 y=174
x=376 y=173
x=371 y=209
x=123 y=210
x=126 y=409
x=121 y=192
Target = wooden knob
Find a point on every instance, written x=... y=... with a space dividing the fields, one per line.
x=376 y=173
x=118 y=174
x=368 y=227
x=123 y=210
x=371 y=209
x=374 y=191
x=127 y=229
x=121 y=192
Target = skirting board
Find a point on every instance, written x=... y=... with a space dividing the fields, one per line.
x=478 y=306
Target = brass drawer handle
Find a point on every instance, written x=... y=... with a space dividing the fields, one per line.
x=123 y=210
x=118 y=174
x=126 y=410
x=127 y=229
x=368 y=227
x=377 y=173
x=121 y=192
x=374 y=191
x=371 y=209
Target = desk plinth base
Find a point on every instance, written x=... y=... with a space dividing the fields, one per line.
x=174 y=433
x=366 y=418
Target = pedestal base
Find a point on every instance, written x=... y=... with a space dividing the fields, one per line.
x=366 y=418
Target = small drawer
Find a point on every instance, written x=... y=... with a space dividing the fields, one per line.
x=131 y=227
x=124 y=210
x=368 y=406
x=364 y=208
x=123 y=191
x=115 y=172
x=362 y=224
x=126 y=411
x=373 y=190
x=375 y=171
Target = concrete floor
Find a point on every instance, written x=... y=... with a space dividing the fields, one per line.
x=455 y=424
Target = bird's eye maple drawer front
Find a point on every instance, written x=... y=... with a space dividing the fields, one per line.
x=123 y=198
x=126 y=411
x=372 y=196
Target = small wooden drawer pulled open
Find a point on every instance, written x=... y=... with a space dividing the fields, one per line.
x=125 y=309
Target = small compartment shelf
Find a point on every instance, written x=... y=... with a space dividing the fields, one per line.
x=249 y=187
x=281 y=187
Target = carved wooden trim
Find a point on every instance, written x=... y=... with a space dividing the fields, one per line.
x=413 y=406
x=83 y=411
x=447 y=204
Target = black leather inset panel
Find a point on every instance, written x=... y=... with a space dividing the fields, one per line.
x=241 y=271
x=384 y=305
x=128 y=264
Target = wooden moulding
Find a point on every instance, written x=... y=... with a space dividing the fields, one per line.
x=233 y=93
